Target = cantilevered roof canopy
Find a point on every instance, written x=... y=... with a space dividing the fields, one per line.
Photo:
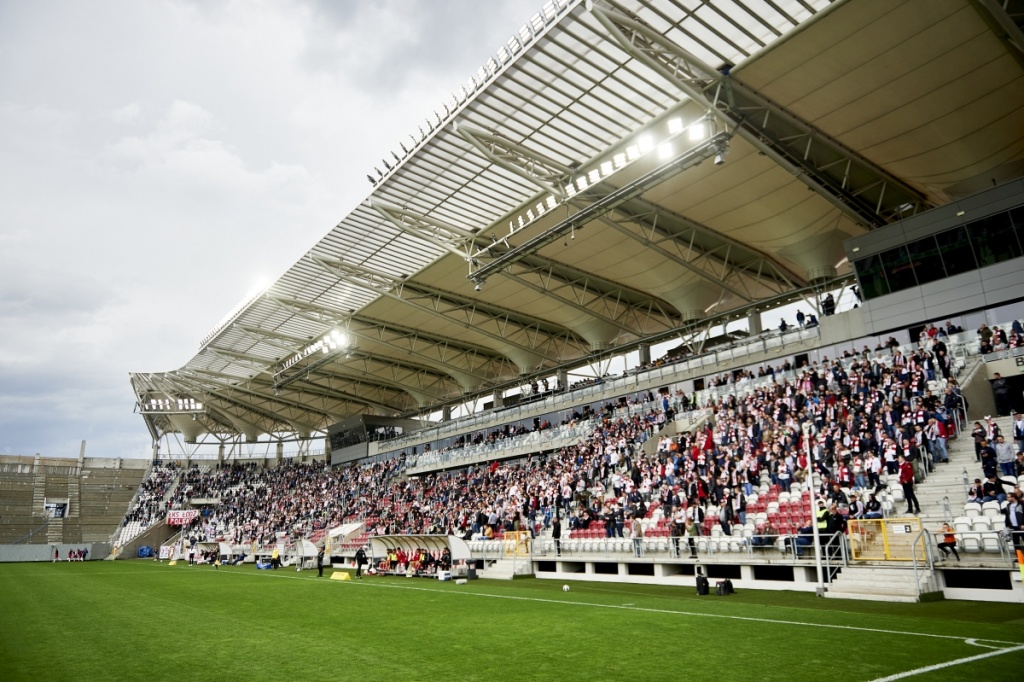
x=618 y=170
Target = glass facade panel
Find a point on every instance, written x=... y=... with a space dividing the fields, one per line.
x=994 y=239
x=1017 y=216
x=898 y=270
x=957 y=255
x=927 y=262
x=872 y=278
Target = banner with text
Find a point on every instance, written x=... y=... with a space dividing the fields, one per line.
x=182 y=517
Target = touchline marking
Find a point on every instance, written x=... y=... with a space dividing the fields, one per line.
x=948 y=664
x=974 y=642
x=627 y=607
x=701 y=615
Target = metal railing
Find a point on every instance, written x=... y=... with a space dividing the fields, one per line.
x=835 y=553
x=32 y=533
x=677 y=548
x=924 y=538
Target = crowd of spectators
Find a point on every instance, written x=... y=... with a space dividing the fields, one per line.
x=149 y=504
x=854 y=420
x=849 y=419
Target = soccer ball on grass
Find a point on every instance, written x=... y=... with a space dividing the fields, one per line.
x=565 y=588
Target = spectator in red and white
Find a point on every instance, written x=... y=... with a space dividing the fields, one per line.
x=907 y=481
x=936 y=434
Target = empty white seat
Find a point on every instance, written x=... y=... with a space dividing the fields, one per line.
x=972 y=509
x=990 y=509
x=981 y=523
x=990 y=542
x=962 y=523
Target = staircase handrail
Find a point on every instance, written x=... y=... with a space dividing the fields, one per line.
x=926 y=537
x=32 y=532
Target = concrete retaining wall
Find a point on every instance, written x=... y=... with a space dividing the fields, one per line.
x=23 y=553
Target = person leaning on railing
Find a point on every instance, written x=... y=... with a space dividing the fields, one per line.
x=948 y=543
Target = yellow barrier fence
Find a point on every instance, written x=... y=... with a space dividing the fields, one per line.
x=517 y=543
x=886 y=540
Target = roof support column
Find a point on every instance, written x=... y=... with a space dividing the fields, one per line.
x=754 y=323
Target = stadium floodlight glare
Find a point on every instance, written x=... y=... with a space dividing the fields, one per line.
x=675 y=126
x=697 y=131
x=632 y=152
x=665 y=150
x=646 y=143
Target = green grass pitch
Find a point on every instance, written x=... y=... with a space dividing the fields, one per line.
x=150 y=621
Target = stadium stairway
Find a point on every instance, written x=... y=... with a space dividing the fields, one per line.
x=689 y=422
x=506 y=569
x=884 y=583
x=947 y=480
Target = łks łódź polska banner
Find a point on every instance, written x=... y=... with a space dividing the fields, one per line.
x=182 y=517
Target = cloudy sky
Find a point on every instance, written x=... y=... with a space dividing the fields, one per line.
x=160 y=158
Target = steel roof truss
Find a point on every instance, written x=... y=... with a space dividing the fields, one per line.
x=861 y=189
x=532 y=335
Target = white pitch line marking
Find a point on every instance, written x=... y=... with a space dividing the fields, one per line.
x=974 y=642
x=1014 y=646
x=698 y=615
x=948 y=664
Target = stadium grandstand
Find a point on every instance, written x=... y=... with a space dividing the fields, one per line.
x=664 y=291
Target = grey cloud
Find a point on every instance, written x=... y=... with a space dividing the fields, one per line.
x=418 y=37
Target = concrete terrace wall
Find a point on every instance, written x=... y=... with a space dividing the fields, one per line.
x=97 y=490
